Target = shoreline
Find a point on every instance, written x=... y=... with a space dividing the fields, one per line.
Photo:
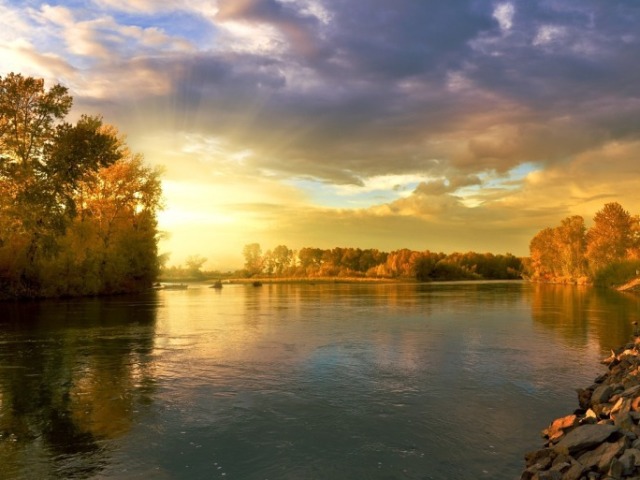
x=601 y=438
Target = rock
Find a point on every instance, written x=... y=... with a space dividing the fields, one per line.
x=601 y=394
x=623 y=420
x=540 y=457
x=602 y=455
x=548 y=476
x=621 y=407
x=584 y=397
x=574 y=473
x=616 y=469
x=628 y=460
x=632 y=391
x=601 y=439
x=585 y=437
x=559 y=427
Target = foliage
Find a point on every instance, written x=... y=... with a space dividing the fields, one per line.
x=254 y=262
x=194 y=264
x=610 y=237
x=355 y=262
x=617 y=273
x=77 y=208
x=571 y=253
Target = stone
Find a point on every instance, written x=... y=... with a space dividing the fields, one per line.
x=616 y=469
x=636 y=453
x=602 y=455
x=590 y=414
x=539 y=457
x=616 y=402
x=559 y=426
x=624 y=421
x=574 y=473
x=601 y=394
x=548 y=476
x=560 y=459
x=632 y=391
x=585 y=437
x=584 y=397
x=628 y=460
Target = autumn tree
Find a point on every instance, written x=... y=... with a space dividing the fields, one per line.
x=77 y=208
x=194 y=264
x=28 y=116
x=544 y=255
x=282 y=259
x=253 y=259
x=570 y=244
x=610 y=237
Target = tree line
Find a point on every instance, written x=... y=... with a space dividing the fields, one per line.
x=607 y=253
x=77 y=207
x=372 y=263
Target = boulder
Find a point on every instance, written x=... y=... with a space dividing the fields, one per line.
x=602 y=455
x=585 y=437
x=601 y=394
x=559 y=427
x=628 y=460
x=539 y=458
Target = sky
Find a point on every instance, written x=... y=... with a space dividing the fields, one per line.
x=439 y=125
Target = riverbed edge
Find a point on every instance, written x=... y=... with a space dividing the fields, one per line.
x=601 y=438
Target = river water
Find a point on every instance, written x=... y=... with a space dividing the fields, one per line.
x=326 y=381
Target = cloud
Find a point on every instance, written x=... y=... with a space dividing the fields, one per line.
x=359 y=97
x=299 y=28
x=504 y=13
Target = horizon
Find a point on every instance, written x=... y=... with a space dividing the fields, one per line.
x=449 y=127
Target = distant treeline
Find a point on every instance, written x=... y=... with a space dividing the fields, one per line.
x=372 y=263
x=607 y=253
x=77 y=208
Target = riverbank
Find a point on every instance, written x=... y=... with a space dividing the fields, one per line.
x=601 y=439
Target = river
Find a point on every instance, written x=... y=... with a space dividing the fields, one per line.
x=299 y=381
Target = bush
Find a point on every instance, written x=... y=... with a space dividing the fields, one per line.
x=617 y=273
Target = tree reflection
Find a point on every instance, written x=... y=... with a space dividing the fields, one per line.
x=72 y=374
x=585 y=314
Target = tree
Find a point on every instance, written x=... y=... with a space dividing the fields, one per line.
x=28 y=116
x=610 y=237
x=194 y=264
x=253 y=260
x=544 y=255
x=77 y=208
x=27 y=120
x=570 y=243
x=282 y=258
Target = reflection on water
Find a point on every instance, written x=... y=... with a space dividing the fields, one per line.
x=433 y=381
x=71 y=376
x=583 y=314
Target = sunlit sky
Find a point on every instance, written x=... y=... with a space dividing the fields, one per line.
x=441 y=125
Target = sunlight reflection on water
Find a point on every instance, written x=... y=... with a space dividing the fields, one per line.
x=298 y=381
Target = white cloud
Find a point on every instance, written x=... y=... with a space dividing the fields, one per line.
x=547 y=34
x=504 y=13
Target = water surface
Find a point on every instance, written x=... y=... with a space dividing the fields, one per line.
x=383 y=381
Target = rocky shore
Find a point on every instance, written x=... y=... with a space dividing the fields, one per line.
x=601 y=439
